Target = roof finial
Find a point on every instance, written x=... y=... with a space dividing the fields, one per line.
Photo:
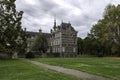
x=62 y=21
x=69 y=22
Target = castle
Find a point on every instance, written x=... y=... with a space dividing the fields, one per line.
x=62 y=39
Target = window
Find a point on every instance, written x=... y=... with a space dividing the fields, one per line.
x=63 y=49
x=53 y=49
x=58 y=49
x=74 y=49
x=51 y=43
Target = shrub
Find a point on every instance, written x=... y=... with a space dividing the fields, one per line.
x=30 y=55
x=100 y=54
x=53 y=54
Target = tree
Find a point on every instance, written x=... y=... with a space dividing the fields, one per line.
x=80 y=46
x=107 y=31
x=40 y=44
x=90 y=46
x=112 y=16
x=12 y=36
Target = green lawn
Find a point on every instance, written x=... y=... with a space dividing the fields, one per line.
x=21 y=70
x=107 y=67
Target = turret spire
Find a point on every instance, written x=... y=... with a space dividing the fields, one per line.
x=54 y=23
x=40 y=30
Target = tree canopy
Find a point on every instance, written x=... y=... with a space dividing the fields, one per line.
x=107 y=30
x=12 y=36
x=40 y=43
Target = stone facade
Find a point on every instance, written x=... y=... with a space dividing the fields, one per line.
x=62 y=40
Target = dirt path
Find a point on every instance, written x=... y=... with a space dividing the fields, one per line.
x=79 y=74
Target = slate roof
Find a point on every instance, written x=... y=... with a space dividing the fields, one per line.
x=37 y=33
x=32 y=33
x=66 y=26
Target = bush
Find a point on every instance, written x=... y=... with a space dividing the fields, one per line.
x=53 y=54
x=30 y=55
x=100 y=54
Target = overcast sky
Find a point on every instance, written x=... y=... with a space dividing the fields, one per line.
x=81 y=13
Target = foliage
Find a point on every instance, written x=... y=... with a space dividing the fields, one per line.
x=40 y=44
x=91 y=46
x=107 y=67
x=88 y=46
x=30 y=55
x=80 y=46
x=53 y=55
x=107 y=31
x=12 y=36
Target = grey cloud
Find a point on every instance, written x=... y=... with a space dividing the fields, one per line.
x=47 y=5
x=41 y=13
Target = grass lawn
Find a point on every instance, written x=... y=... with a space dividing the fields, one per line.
x=107 y=67
x=20 y=70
